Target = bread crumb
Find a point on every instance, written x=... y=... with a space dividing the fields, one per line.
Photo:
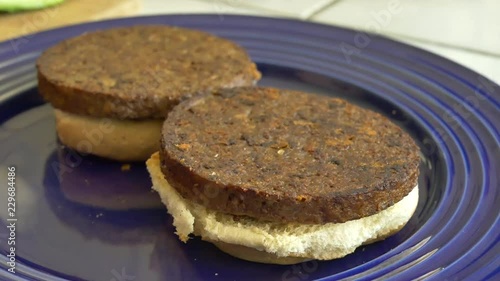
x=125 y=167
x=303 y=123
x=370 y=132
x=301 y=198
x=281 y=152
x=183 y=146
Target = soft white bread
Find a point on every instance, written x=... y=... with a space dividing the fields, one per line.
x=122 y=140
x=271 y=242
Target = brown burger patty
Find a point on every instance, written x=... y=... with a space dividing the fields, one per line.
x=140 y=71
x=288 y=156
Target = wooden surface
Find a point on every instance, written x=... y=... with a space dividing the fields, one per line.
x=69 y=12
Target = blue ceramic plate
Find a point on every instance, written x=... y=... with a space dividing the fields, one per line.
x=84 y=218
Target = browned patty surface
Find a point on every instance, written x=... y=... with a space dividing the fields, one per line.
x=140 y=71
x=286 y=156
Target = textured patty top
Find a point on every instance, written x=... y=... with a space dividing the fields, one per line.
x=140 y=71
x=288 y=156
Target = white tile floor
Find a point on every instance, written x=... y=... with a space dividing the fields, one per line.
x=293 y=8
x=152 y=7
x=465 y=31
x=467 y=24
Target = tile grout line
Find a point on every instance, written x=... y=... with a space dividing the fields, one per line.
x=395 y=35
x=319 y=9
x=244 y=5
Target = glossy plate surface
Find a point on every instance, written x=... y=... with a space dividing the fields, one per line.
x=84 y=218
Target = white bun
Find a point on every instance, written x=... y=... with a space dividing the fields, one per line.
x=122 y=140
x=271 y=242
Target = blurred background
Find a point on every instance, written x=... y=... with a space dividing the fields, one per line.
x=465 y=31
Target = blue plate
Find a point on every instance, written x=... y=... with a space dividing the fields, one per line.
x=84 y=218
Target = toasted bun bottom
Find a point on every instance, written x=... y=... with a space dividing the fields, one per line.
x=273 y=242
x=122 y=140
x=252 y=254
